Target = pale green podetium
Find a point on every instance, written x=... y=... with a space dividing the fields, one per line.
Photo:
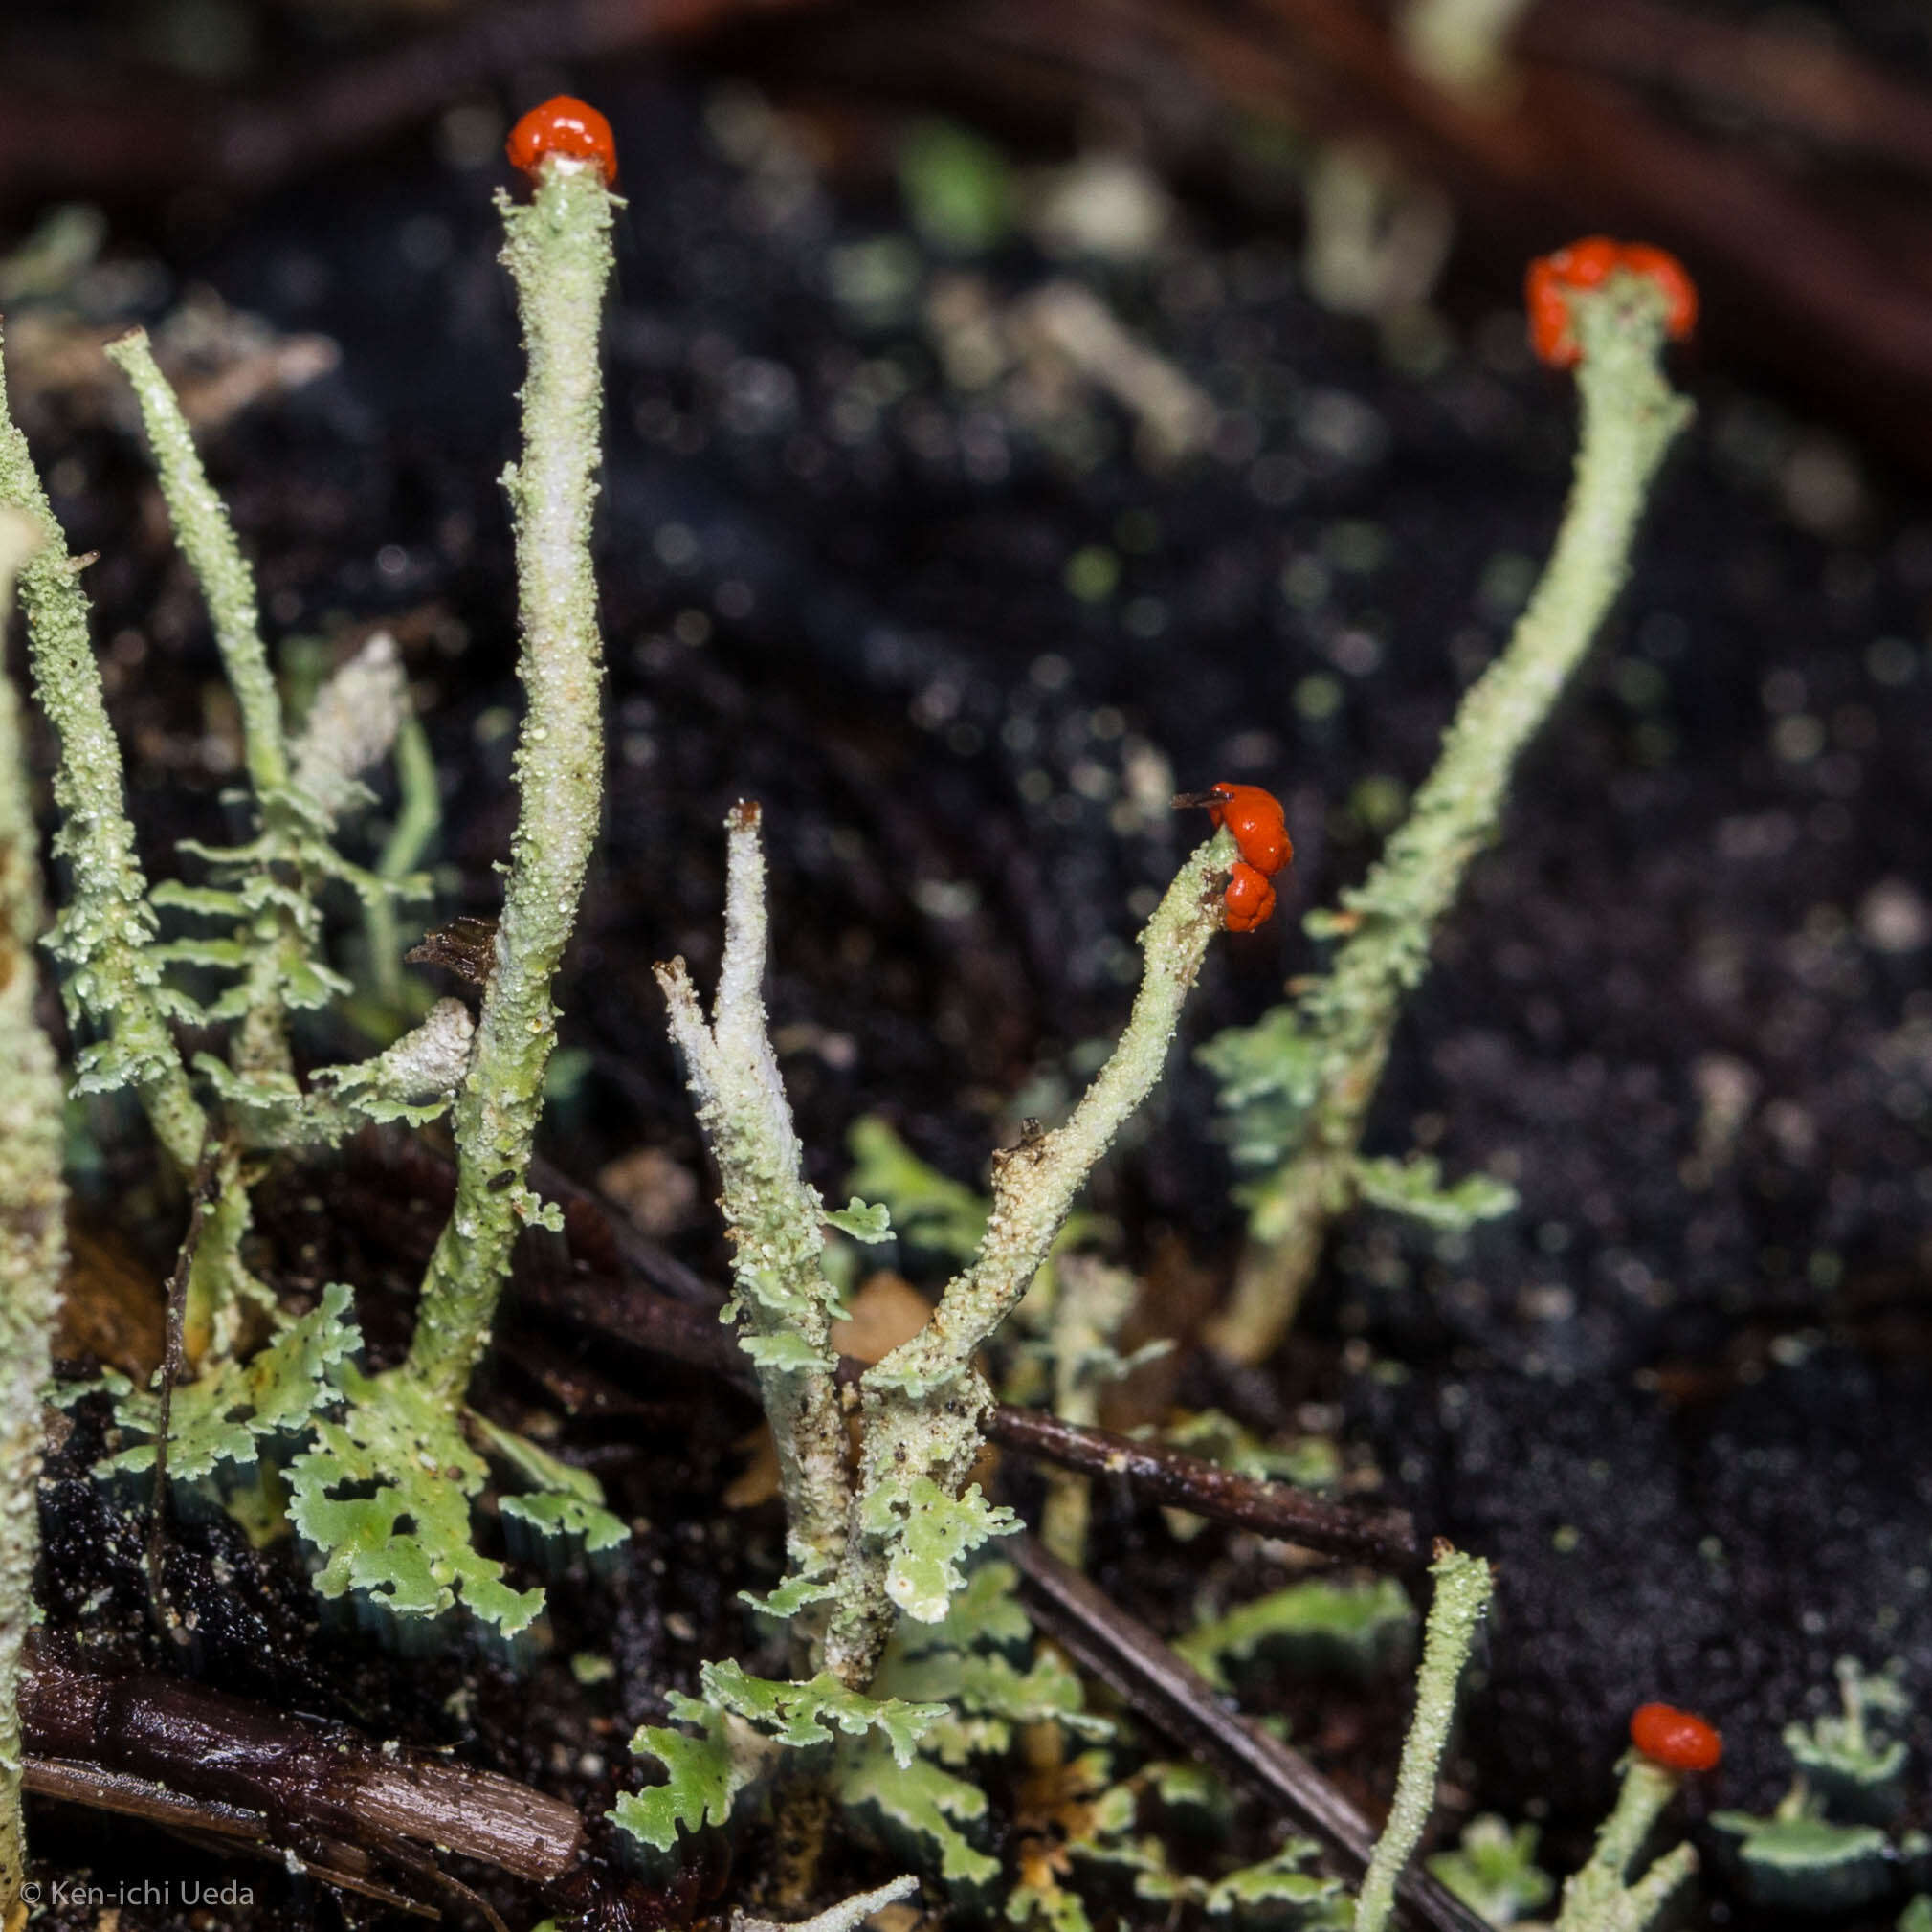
x=1300 y=1081
x=925 y=1405
x=1462 y=1591
x=385 y=1494
x=558 y=252
x=105 y=935
x=285 y=932
x=33 y=1234
x=282 y=966
x=1603 y=1897
x=207 y=539
x=893 y=1541
x=785 y=1302
x=106 y=938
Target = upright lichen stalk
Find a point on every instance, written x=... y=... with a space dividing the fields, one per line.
x=285 y=931
x=1602 y=1897
x=107 y=935
x=32 y=1240
x=925 y=1405
x=1320 y=1061
x=558 y=252
x=281 y=946
x=104 y=936
x=1462 y=1590
x=207 y=539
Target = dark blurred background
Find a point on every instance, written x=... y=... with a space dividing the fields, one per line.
x=1784 y=147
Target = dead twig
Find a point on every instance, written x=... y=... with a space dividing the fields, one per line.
x=229 y=1827
x=1382 y=1539
x=133 y=132
x=1801 y=83
x=237 y=1762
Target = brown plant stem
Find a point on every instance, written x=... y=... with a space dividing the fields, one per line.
x=293 y=1774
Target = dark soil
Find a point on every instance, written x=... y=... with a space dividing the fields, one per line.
x=1681 y=1396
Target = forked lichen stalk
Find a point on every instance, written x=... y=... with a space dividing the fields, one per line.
x=784 y=1305
x=1602 y=1897
x=863 y=1552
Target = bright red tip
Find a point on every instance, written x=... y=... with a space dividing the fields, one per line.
x=1586 y=264
x=1681 y=1740
x=1260 y=831
x=1250 y=899
x=1680 y=292
x=563 y=126
x=1550 y=339
x=1258 y=823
